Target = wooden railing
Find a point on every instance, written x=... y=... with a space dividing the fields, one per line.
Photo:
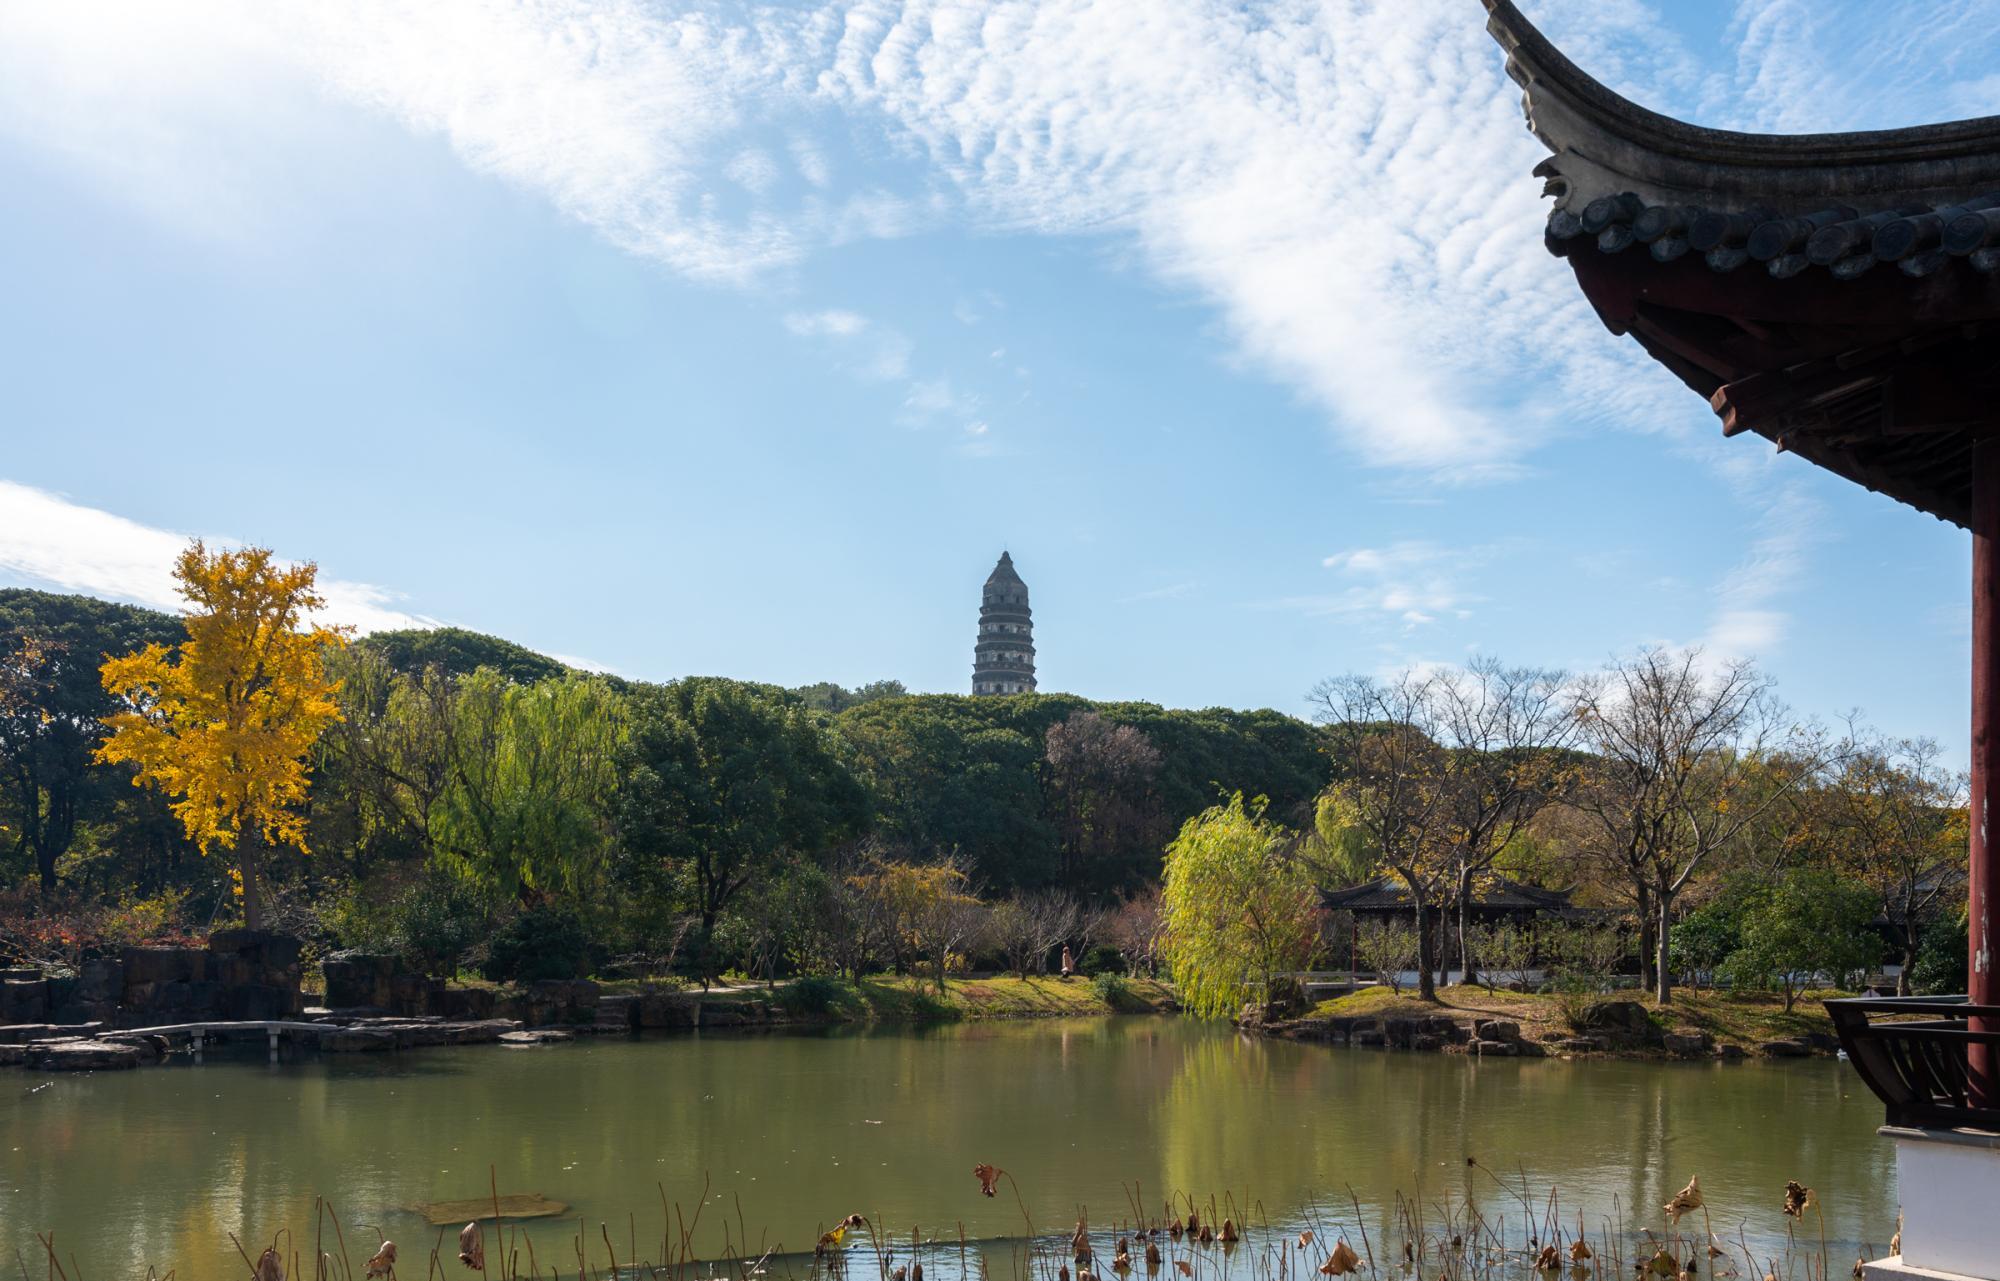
x=1914 y=1052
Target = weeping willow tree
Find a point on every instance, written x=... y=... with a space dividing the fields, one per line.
x=1237 y=908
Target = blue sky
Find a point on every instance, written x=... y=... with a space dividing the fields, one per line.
x=740 y=340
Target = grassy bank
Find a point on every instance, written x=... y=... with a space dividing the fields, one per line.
x=893 y=999
x=1747 y=1019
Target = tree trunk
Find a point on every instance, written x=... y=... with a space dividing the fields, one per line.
x=1464 y=939
x=246 y=866
x=1903 y=974
x=1663 y=972
x=1648 y=929
x=1426 y=953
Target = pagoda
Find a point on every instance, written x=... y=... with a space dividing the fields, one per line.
x=1003 y=659
x=1837 y=295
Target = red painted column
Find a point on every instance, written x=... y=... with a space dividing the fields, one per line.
x=1984 y=886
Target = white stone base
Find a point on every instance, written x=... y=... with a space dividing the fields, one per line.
x=1894 y=1269
x=1950 y=1186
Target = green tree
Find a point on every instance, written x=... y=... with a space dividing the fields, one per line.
x=52 y=705
x=723 y=784
x=1237 y=908
x=460 y=653
x=1809 y=923
x=827 y=696
x=533 y=779
x=1705 y=938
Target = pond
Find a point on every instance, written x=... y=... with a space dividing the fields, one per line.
x=161 y=1164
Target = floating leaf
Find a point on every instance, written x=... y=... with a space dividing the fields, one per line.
x=1342 y=1261
x=989 y=1179
x=1797 y=1197
x=384 y=1261
x=472 y=1247
x=1688 y=1198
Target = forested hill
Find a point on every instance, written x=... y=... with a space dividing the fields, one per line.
x=1032 y=790
x=1042 y=788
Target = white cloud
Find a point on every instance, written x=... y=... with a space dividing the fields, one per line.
x=1411 y=583
x=1747 y=622
x=46 y=540
x=752 y=170
x=1172 y=591
x=825 y=324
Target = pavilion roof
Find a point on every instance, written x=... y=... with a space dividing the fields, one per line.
x=1499 y=893
x=1838 y=294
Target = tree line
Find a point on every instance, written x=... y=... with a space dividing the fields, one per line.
x=460 y=795
x=461 y=799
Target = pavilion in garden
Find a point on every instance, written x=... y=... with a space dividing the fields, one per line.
x=1839 y=296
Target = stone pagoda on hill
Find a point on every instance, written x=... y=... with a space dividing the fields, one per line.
x=1003 y=660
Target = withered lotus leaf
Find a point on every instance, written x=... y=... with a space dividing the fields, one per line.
x=1579 y=1250
x=1152 y=1255
x=384 y=1260
x=916 y=1272
x=1305 y=1238
x=1549 y=1260
x=1662 y=1265
x=1688 y=1198
x=1175 y=1229
x=1229 y=1233
x=989 y=1179
x=1797 y=1197
x=1207 y=1234
x=269 y=1266
x=472 y=1246
x=1342 y=1261
x=1183 y=1267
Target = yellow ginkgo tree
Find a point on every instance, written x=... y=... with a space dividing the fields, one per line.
x=223 y=721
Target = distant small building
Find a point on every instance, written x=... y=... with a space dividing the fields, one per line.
x=1003 y=658
x=1500 y=901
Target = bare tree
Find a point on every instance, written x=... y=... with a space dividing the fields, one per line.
x=1388 y=948
x=1447 y=767
x=1896 y=818
x=1098 y=779
x=1134 y=930
x=1690 y=756
x=1509 y=733
x=1052 y=921
x=1386 y=730
x=1028 y=926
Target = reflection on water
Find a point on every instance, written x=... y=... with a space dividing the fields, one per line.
x=159 y=1165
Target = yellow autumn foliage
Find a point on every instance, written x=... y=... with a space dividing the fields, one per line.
x=222 y=722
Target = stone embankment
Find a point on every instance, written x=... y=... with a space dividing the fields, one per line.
x=1613 y=1028
x=152 y=1002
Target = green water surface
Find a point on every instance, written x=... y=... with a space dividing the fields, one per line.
x=160 y=1164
